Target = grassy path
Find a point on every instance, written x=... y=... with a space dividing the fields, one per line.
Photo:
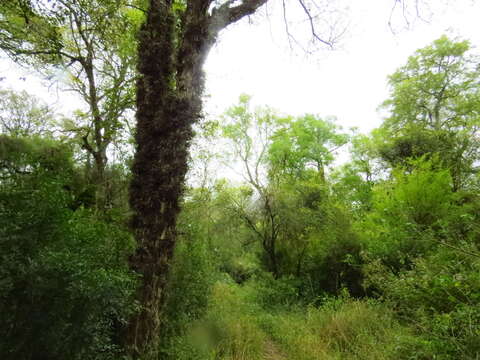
x=272 y=352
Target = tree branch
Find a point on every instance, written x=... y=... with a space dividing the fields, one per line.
x=225 y=15
x=312 y=25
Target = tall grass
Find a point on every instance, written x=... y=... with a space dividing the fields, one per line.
x=237 y=327
x=340 y=329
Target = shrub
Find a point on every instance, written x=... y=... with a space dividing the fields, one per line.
x=439 y=298
x=190 y=283
x=65 y=287
x=408 y=214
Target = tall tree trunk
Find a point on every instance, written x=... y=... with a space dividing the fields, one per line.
x=168 y=103
x=97 y=173
x=158 y=170
x=171 y=56
x=99 y=179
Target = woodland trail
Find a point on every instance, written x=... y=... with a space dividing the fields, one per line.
x=272 y=352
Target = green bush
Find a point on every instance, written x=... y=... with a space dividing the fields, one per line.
x=439 y=297
x=332 y=261
x=65 y=288
x=190 y=283
x=408 y=214
x=272 y=294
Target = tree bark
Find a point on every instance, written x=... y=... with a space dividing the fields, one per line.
x=168 y=104
x=99 y=179
x=169 y=90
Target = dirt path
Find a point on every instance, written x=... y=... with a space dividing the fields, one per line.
x=272 y=352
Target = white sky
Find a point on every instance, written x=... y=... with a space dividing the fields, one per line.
x=349 y=82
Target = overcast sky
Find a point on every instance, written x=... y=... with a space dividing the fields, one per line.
x=348 y=82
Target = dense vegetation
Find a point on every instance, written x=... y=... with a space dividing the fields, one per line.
x=295 y=256
x=375 y=259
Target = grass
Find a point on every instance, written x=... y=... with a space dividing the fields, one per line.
x=350 y=330
x=238 y=328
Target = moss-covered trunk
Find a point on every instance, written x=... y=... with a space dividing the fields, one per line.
x=168 y=104
x=173 y=46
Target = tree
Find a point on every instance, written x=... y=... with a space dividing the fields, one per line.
x=173 y=45
x=250 y=133
x=283 y=160
x=24 y=115
x=305 y=143
x=353 y=181
x=434 y=108
x=93 y=43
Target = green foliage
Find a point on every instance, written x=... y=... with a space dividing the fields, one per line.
x=352 y=182
x=209 y=217
x=33 y=158
x=434 y=109
x=420 y=235
x=333 y=260
x=378 y=259
x=339 y=329
x=422 y=197
x=439 y=297
x=24 y=115
x=188 y=291
x=303 y=143
x=94 y=44
x=65 y=286
x=398 y=223
x=432 y=86
x=408 y=213
x=273 y=294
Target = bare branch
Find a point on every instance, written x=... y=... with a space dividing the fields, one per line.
x=225 y=15
x=290 y=37
x=312 y=25
x=410 y=11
